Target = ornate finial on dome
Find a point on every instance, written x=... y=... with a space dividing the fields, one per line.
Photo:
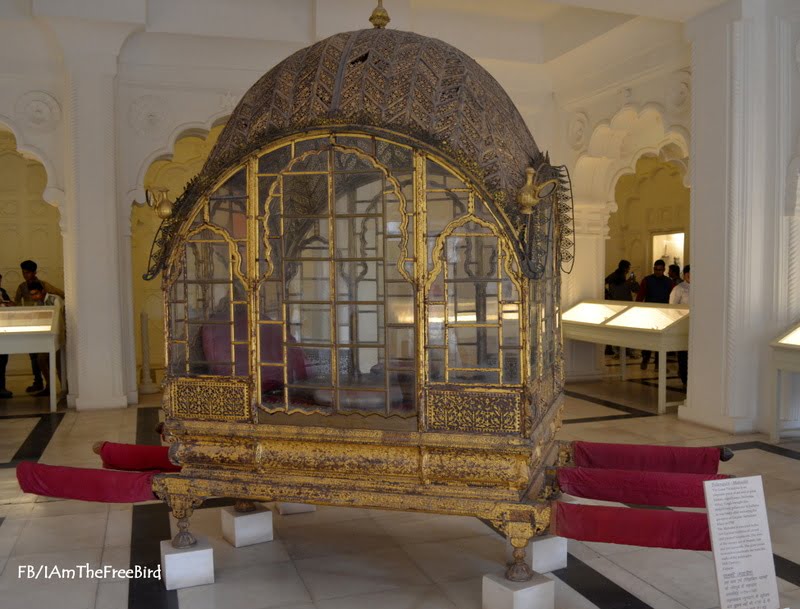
x=379 y=17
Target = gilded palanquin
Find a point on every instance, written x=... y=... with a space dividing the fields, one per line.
x=358 y=313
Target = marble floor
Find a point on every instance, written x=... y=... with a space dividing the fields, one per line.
x=344 y=558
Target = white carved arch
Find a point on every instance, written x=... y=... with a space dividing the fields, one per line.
x=53 y=194
x=135 y=193
x=616 y=144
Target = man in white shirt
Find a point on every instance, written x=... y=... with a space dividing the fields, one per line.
x=680 y=295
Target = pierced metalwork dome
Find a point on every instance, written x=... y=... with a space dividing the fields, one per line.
x=388 y=79
x=379 y=80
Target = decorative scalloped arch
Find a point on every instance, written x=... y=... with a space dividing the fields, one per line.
x=53 y=194
x=615 y=146
x=192 y=128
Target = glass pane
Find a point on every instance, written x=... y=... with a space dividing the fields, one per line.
x=231 y=215
x=300 y=397
x=396 y=158
x=215 y=351
x=436 y=365
x=358 y=193
x=242 y=365
x=317 y=161
x=209 y=301
x=317 y=143
x=359 y=238
x=318 y=367
x=511 y=367
x=439 y=177
x=310 y=323
x=365 y=144
x=510 y=325
x=362 y=367
x=469 y=302
x=308 y=280
x=235 y=186
x=240 y=323
x=392 y=255
x=343 y=161
x=266 y=191
x=272 y=386
x=208 y=261
x=270 y=338
x=510 y=292
x=399 y=310
x=306 y=238
x=400 y=348
x=359 y=280
x=305 y=195
x=274 y=161
x=270 y=305
x=177 y=358
x=402 y=391
x=351 y=399
x=436 y=325
x=473 y=347
x=361 y=324
x=471 y=257
x=443 y=208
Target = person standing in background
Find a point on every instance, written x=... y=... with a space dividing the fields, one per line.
x=674 y=273
x=23 y=298
x=654 y=288
x=680 y=295
x=5 y=301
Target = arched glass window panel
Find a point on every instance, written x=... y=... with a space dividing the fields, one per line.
x=334 y=255
x=473 y=326
x=208 y=308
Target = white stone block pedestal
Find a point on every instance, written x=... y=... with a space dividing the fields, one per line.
x=499 y=593
x=187 y=567
x=544 y=554
x=246 y=528
x=287 y=509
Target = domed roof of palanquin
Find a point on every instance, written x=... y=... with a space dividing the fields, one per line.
x=381 y=80
x=400 y=81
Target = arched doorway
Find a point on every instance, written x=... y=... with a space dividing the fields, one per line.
x=190 y=152
x=29 y=230
x=652 y=217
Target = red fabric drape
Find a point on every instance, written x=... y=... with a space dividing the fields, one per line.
x=85 y=484
x=136 y=457
x=631 y=526
x=646 y=458
x=627 y=486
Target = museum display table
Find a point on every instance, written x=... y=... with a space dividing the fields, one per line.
x=35 y=330
x=636 y=325
x=785 y=357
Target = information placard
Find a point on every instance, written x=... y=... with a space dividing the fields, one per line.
x=737 y=520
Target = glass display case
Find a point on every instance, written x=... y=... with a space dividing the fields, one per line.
x=784 y=360
x=16 y=320
x=636 y=325
x=35 y=330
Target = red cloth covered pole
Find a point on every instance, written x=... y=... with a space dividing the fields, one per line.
x=646 y=458
x=631 y=526
x=627 y=486
x=136 y=457
x=85 y=484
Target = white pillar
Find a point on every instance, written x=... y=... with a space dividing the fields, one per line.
x=733 y=213
x=91 y=236
x=582 y=360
